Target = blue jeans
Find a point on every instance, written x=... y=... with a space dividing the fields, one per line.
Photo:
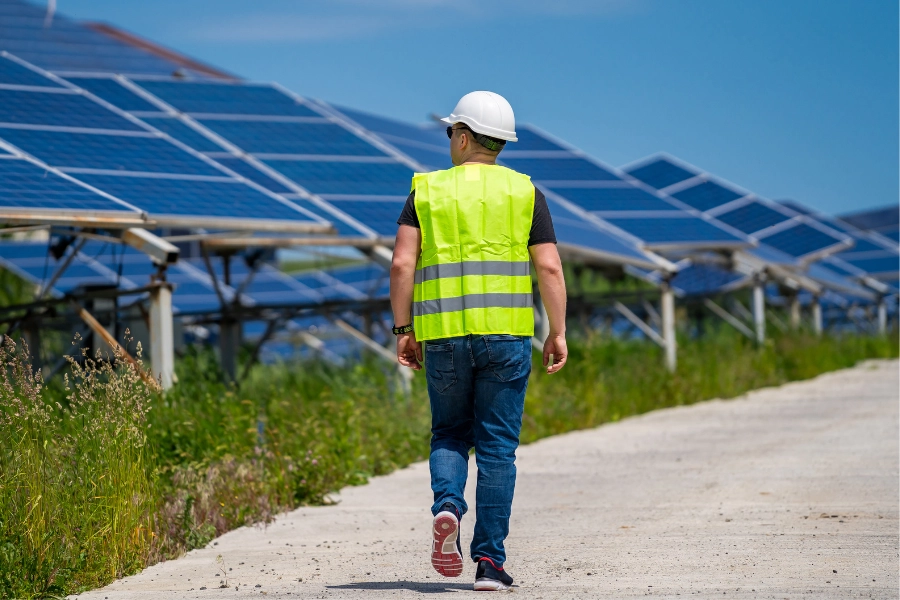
x=477 y=388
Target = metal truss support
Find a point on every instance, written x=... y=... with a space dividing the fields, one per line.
x=405 y=374
x=541 y=322
x=795 y=312
x=95 y=326
x=667 y=301
x=637 y=322
x=162 y=338
x=48 y=287
x=817 y=315
x=882 y=316
x=759 y=310
x=728 y=317
x=382 y=255
x=158 y=249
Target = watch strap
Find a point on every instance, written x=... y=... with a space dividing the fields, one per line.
x=402 y=329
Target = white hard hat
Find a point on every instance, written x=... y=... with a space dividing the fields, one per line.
x=486 y=113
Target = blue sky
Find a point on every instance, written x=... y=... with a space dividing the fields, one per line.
x=790 y=99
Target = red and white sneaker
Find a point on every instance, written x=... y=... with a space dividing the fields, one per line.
x=446 y=557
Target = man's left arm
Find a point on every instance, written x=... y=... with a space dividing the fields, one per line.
x=403 y=272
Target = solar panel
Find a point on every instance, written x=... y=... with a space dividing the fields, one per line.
x=752 y=217
x=279 y=137
x=558 y=169
x=226 y=198
x=144 y=154
x=379 y=215
x=63 y=44
x=660 y=174
x=800 y=240
x=114 y=93
x=27 y=185
x=75 y=134
x=394 y=130
x=344 y=177
x=872 y=255
x=60 y=107
x=604 y=199
x=706 y=195
x=224 y=98
x=15 y=74
x=878 y=265
x=668 y=231
x=892 y=233
x=183 y=133
x=702 y=280
x=245 y=169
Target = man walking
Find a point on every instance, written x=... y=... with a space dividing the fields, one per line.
x=461 y=282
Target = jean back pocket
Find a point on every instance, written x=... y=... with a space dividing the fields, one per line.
x=507 y=356
x=439 y=370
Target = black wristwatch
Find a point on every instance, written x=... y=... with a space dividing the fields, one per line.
x=402 y=330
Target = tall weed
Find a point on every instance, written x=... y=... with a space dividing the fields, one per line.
x=77 y=480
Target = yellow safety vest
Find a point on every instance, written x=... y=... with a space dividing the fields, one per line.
x=473 y=275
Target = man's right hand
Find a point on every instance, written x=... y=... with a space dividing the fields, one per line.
x=409 y=351
x=555 y=345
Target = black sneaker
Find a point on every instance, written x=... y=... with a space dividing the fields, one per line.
x=446 y=552
x=488 y=578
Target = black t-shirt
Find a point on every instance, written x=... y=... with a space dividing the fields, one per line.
x=541 y=224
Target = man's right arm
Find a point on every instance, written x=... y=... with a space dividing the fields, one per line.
x=552 y=285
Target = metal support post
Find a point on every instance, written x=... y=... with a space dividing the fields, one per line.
x=543 y=328
x=162 y=338
x=817 y=315
x=667 y=301
x=229 y=344
x=795 y=312
x=759 y=310
x=882 y=316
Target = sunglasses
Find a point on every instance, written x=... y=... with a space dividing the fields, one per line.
x=450 y=130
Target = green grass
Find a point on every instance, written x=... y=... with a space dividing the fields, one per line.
x=99 y=480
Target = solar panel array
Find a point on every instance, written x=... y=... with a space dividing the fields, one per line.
x=576 y=185
x=119 y=266
x=699 y=279
x=309 y=152
x=773 y=224
x=282 y=142
x=61 y=44
x=137 y=167
x=883 y=221
x=872 y=255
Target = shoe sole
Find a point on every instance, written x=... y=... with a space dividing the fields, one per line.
x=491 y=585
x=445 y=558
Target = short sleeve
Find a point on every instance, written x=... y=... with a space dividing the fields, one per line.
x=542 y=231
x=408 y=215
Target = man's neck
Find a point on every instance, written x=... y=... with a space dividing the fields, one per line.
x=480 y=160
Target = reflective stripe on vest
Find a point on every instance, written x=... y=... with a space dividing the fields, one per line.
x=474 y=273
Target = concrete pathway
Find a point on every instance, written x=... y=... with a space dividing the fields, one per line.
x=788 y=492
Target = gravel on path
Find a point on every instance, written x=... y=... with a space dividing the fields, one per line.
x=788 y=492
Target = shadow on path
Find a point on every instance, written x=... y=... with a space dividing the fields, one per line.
x=415 y=586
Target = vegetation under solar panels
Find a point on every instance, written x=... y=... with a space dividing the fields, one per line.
x=211 y=457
